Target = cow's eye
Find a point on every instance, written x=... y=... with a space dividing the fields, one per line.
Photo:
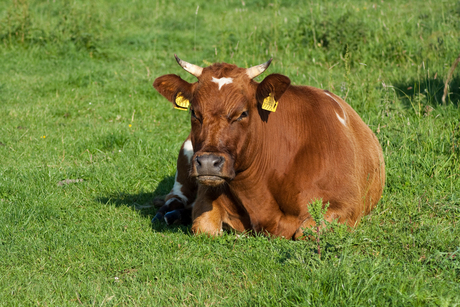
x=194 y=116
x=243 y=115
x=192 y=112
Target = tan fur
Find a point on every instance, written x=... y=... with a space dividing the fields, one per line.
x=275 y=164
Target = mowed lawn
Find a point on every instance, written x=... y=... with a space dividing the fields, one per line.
x=86 y=144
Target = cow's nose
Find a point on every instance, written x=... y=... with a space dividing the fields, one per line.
x=209 y=165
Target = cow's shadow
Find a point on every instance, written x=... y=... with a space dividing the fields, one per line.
x=144 y=204
x=427 y=90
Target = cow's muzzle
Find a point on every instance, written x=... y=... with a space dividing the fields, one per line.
x=211 y=169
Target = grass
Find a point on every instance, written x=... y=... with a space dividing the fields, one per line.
x=76 y=102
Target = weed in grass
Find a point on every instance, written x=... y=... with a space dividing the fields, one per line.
x=317 y=211
x=328 y=236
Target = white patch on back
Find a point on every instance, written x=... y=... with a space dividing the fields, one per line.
x=222 y=81
x=177 y=191
x=342 y=120
x=188 y=150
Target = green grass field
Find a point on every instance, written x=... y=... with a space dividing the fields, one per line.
x=77 y=102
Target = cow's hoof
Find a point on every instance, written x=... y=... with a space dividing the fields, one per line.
x=157 y=218
x=172 y=217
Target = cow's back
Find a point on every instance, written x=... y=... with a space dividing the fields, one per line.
x=371 y=166
x=324 y=150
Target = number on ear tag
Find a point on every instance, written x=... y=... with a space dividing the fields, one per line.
x=270 y=103
x=181 y=102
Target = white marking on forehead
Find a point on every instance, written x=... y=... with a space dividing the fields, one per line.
x=188 y=150
x=222 y=81
x=342 y=120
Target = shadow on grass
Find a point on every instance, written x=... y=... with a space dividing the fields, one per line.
x=428 y=90
x=143 y=203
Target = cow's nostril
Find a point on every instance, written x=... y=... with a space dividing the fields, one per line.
x=197 y=159
x=218 y=162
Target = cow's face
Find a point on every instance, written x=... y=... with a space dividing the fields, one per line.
x=225 y=109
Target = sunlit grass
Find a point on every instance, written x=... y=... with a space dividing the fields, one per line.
x=77 y=107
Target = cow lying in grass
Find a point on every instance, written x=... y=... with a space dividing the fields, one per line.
x=259 y=153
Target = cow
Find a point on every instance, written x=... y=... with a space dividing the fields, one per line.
x=259 y=154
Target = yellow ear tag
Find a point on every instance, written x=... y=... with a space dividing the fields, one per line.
x=270 y=103
x=181 y=102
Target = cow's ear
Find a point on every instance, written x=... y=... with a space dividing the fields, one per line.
x=176 y=90
x=270 y=91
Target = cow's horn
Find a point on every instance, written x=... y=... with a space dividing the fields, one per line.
x=254 y=71
x=191 y=68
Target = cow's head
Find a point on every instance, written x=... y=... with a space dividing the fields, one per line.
x=227 y=109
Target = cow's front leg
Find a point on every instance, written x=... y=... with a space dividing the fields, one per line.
x=208 y=211
x=178 y=203
x=174 y=211
x=215 y=210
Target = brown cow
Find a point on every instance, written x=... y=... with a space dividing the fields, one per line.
x=257 y=169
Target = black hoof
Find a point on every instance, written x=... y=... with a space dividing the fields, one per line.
x=172 y=217
x=157 y=218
